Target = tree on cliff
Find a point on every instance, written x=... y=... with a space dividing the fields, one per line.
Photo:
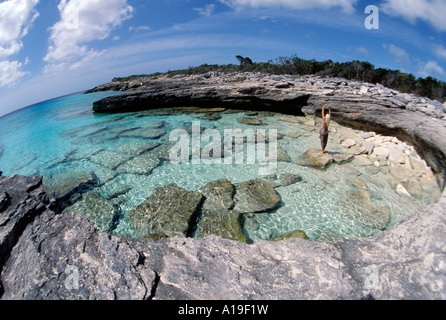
x=244 y=61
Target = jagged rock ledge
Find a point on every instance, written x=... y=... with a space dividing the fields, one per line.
x=62 y=256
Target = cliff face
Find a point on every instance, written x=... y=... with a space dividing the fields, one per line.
x=45 y=255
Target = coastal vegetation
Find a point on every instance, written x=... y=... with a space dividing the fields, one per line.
x=352 y=70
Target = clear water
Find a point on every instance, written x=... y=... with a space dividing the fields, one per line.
x=63 y=135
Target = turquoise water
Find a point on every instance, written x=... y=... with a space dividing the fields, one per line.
x=63 y=135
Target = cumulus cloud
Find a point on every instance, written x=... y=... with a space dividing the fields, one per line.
x=430 y=68
x=400 y=54
x=81 y=22
x=139 y=28
x=440 y=51
x=16 y=18
x=430 y=11
x=206 y=11
x=362 y=50
x=10 y=73
x=346 y=5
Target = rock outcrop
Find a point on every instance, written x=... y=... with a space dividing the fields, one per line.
x=64 y=257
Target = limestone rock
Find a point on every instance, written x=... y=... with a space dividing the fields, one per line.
x=143 y=165
x=282 y=155
x=217 y=216
x=251 y=121
x=357 y=182
x=397 y=155
x=287 y=179
x=135 y=148
x=341 y=158
x=359 y=206
x=381 y=152
x=348 y=143
x=169 y=210
x=21 y=200
x=401 y=190
x=312 y=158
x=4 y=200
x=414 y=188
x=145 y=133
x=298 y=234
x=65 y=188
x=110 y=159
x=65 y=258
x=255 y=196
x=101 y=213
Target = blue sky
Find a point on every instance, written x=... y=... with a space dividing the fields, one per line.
x=50 y=48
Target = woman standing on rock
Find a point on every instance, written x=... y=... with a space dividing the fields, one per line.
x=323 y=133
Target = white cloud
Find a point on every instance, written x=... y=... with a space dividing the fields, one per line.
x=362 y=50
x=430 y=11
x=430 y=68
x=139 y=28
x=346 y=5
x=16 y=18
x=83 y=21
x=206 y=11
x=10 y=73
x=440 y=51
x=400 y=54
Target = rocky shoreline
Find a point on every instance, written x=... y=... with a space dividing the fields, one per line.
x=361 y=105
x=47 y=255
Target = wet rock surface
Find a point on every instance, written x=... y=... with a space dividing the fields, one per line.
x=170 y=211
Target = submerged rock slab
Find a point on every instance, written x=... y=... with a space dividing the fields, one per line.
x=144 y=133
x=359 y=206
x=217 y=216
x=296 y=234
x=101 y=213
x=251 y=121
x=255 y=196
x=142 y=165
x=64 y=188
x=169 y=210
x=110 y=159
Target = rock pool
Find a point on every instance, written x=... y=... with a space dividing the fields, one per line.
x=105 y=166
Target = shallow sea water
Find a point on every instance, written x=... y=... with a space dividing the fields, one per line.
x=63 y=135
